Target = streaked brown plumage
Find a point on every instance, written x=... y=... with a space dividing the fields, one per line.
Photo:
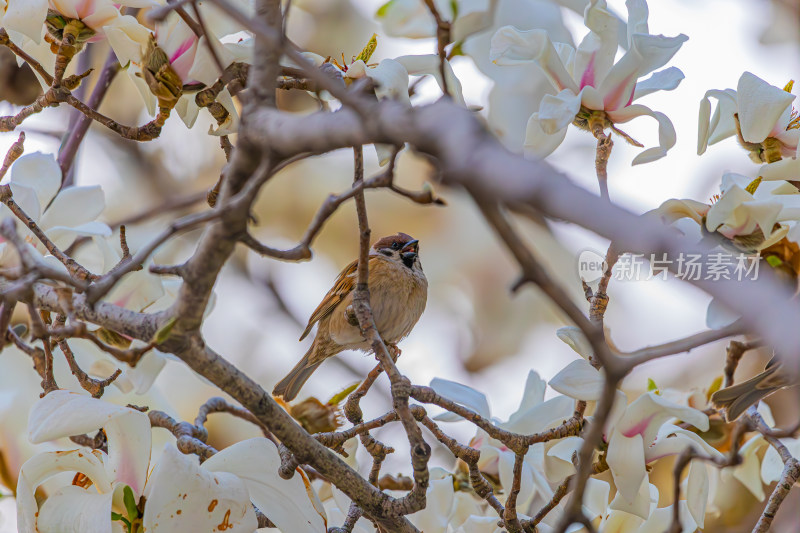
x=398 y=293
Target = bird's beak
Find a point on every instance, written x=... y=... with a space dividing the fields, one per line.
x=410 y=250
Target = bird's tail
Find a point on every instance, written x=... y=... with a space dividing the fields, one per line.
x=737 y=398
x=289 y=386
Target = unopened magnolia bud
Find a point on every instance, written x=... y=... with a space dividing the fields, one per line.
x=56 y=23
x=315 y=416
x=161 y=78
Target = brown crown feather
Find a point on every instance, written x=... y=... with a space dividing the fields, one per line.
x=386 y=242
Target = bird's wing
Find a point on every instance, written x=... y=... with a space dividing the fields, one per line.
x=341 y=288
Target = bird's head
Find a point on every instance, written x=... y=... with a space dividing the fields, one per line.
x=402 y=248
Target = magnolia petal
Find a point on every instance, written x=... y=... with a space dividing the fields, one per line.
x=144 y=91
x=675 y=209
x=439 y=504
x=660 y=520
x=462 y=395
x=594 y=57
x=26 y=17
x=505 y=468
x=73 y=509
x=724 y=210
x=532 y=396
x=625 y=458
x=406 y=18
x=663 y=80
x=430 y=64
x=41 y=174
x=291 y=504
x=711 y=130
x=42 y=467
x=511 y=46
x=621 y=522
x=558 y=458
x=697 y=491
x=646 y=54
x=785 y=169
x=480 y=524
x=188 y=110
x=542 y=415
x=182 y=496
x=771 y=466
x=539 y=144
x=556 y=112
x=231 y=124
x=579 y=380
x=718 y=315
x=392 y=79
x=640 y=506
x=760 y=106
x=672 y=440
x=74 y=206
x=666 y=131
x=204 y=67
x=136 y=291
x=219 y=23
x=127 y=38
x=62 y=413
x=748 y=472
x=649 y=411
x=575 y=339
x=595 y=498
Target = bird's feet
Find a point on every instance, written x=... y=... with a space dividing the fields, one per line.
x=350 y=315
x=394 y=351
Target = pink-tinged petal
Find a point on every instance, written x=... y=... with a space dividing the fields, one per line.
x=183 y=496
x=595 y=54
x=579 y=380
x=640 y=506
x=539 y=144
x=711 y=130
x=647 y=53
x=556 y=112
x=74 y=509
x=462 y=395
x=291 y=504
x=663 y=80
x=645 y=415
x=697 y=491
x=42 y=467
x=666 y=131
x=625 y=458
x=129 y=444
x=760 y=106
x=511 y=46
x=26 y=17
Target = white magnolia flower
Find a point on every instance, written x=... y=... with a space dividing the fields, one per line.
x=62 y=215
x=760 y=113
x=190 y=59
x=27 y=17
x=637 y=434
x=586 y=84
x=179 y=493
x=645 y=516
x=533 y=415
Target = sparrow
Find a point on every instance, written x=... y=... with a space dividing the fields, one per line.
x=398 y=293
x=737 y=398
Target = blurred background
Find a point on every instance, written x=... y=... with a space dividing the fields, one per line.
x=473 y=330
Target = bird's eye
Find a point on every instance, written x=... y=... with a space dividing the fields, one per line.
x=395 y=245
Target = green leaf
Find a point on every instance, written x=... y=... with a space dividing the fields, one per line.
x=381 y=12
x=163 y=333
x=774 y=261
x=344 y=393
x=130 y=503
x=366 y=53
x=651 y=385
x=119 y=518
x=454 y=8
